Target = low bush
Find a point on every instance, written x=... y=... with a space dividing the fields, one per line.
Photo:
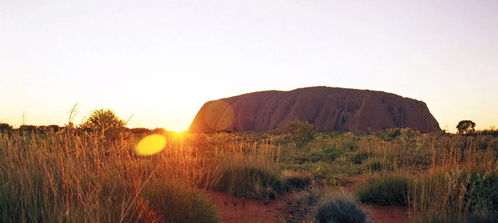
x=483 y=191
x=378 y=165
x=489 y=217
x=299 y=132
x=360 y=157
x=177 y=202
x=325 y=155
x=391 y=134
x=330 y=154
x=249 y=182
x=340 y=209
x=386 y=191
x=293 y=181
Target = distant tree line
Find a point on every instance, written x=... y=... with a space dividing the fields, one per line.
x=106 y=122
x=59 y=129
x=102 y=121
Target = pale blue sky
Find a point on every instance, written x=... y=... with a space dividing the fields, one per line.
x=161 y=60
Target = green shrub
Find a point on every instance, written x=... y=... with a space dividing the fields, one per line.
x=378 y=165
x=249 y=182
x=177 y=202
x=483 y=192
x=331 y=154
x=293 y=181
x=340 y=209
x=392 y=134
x=348 y=141
x=315 y=157
x=360 y=157
x=327 y=154
x=408 y=134
x=489 y=217
x=299 y=132
x=386 y=191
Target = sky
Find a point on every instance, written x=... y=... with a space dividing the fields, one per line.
x=157 y=62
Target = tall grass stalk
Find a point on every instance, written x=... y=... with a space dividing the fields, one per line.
x=70 y=177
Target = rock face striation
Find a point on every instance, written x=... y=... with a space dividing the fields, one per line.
x=327 y=108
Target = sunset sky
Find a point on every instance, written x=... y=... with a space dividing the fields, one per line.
x=161 y=60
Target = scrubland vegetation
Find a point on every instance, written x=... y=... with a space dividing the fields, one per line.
x=73 y=175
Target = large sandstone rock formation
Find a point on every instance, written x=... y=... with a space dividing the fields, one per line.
x=327 y=108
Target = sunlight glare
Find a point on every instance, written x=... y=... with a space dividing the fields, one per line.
x=150 y=145
x=179 y=135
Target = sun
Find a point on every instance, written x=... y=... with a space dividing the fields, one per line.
x=179 y=135
x=177 y=129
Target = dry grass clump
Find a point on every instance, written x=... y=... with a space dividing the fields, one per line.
x=457 y=192
x=461 y=182
x=378 y=165
x=85 y=178
x=178 y=202
x=250 y=182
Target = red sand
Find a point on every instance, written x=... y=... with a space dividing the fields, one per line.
x=234 y=210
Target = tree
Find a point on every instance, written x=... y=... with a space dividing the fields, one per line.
x=103 y=120
x=50 y=128
x=28 y=128
x=466 y=126
x=5 y=127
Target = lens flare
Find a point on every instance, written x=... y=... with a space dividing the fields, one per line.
x=150 y=145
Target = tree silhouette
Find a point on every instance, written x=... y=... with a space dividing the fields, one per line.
x=466 y=126
x=5 y=127
x=102 y=120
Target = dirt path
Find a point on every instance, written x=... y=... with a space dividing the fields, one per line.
x=379 y=214
x=234 y=210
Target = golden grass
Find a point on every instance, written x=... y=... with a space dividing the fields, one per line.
x=86 y=178
x=71 y=177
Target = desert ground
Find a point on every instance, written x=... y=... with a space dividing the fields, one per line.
x=292 y=174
